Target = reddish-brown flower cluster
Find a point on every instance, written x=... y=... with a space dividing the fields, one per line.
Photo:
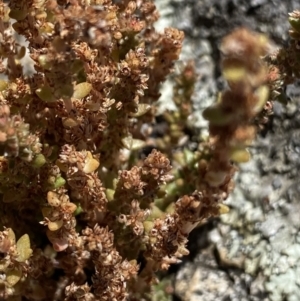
x=98 y=66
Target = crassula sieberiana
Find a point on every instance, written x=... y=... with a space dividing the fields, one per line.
x=91 y=208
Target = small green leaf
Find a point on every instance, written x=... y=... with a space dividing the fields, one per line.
x=295 y=23
x=11 y=236
x=234 y=74
x=223 y=209
x=59 y=182
x=21 y=53
x=263 y=94
x=3 y=85
x=69 y=122
x=66 y=92
x=133 y=144
x=78 y=210
x=13 y=276
x=127 y=142
x=23 y=248
x=148 y=226
x=82 y=90
x=54 y=226
x=110 y=194
x=39 y=161
x=240 y=155
x=142 y=108
x=45 y=94
x=18 y=14
x=188 y=156
x=4 y=265
x=91 y=164
x=216 y=116
x=137 y=144
x=44 y=62
x=53 y=199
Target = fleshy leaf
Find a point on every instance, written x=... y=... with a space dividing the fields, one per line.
x=39 y=161
x=215 y=115
x=23 y=248
x=240 y=155
x=21 y=53
x=18 y=14
x=295 y=23
x=69 y=122
x=223 y=209
x=13 y=276
x=82 y=90
x=45 y=94
x=53 y=199
x=142 y=108
x=3 y=265
x=133 y=144
x=53 y=226
x=59 y=182
x=234 y=74
x=263 y=94
x=137 y=144
x=11 y=236
x=91 y=164
x=110 y=194
x=127 y=142
x=3 y=85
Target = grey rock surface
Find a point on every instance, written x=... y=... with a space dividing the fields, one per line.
x=253 y=252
